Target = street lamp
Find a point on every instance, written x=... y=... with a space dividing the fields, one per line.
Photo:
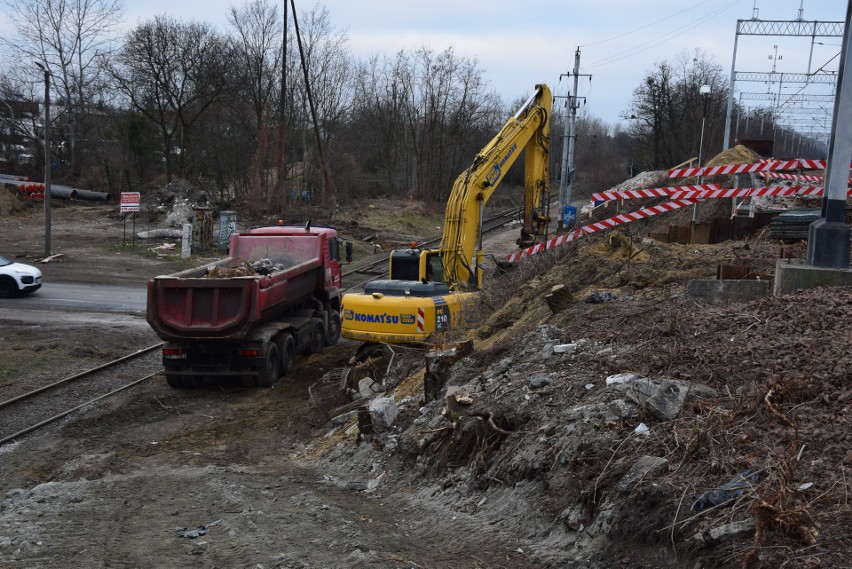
x=704 y=90
x=47 y=159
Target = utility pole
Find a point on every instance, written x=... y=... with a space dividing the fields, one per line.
x=47 y=158
x=568 y=163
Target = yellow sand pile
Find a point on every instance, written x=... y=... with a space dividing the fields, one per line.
x=739 y=154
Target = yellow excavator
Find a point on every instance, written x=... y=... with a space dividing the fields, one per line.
x=428 y=289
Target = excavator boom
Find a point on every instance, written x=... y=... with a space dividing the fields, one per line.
x=403 y=309
x=528 y=130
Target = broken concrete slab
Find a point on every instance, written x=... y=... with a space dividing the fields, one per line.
x=727 y=532
x=663 y=399
x=383 y=412
x=645 y=467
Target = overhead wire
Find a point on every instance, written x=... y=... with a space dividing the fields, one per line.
x=661 y=39
x=648 y=25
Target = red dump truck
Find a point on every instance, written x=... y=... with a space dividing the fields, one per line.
x=248 y=315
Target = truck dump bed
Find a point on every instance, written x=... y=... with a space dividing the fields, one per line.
x=190 y=305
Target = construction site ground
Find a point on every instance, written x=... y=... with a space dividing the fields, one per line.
x=539 y=461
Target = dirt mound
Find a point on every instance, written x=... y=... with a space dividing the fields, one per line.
x=9 y=203
x=739 y=154
x=600 y=431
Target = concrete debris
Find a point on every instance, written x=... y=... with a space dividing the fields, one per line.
x=159 y=234
x=383 y=412
x=540 y=380
x=645 y=467
x=620 y=378
x=727 y=532
x=368 y=388
x=499 y=369
x=664 y=399
x=565 y=348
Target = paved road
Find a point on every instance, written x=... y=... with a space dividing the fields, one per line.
x=88 y=297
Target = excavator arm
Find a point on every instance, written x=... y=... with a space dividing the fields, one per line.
x=529 y=131
x=429 y=291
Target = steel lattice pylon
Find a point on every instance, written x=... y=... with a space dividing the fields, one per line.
x=796 y=28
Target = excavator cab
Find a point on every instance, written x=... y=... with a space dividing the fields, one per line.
x=416 y=265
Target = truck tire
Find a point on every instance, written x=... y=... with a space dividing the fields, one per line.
x=287 y=346
x=178 y=380
x=317 y=343
x=175 y=381
x=8 y=287
x=269 y=374
x=333 y=334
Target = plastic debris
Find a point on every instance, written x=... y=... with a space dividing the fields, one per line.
x=727 y=493
x=599 y=297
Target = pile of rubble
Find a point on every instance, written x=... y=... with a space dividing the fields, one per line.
x=644 y=429
x=174 y=203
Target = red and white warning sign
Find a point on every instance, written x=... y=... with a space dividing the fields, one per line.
x=130 y=201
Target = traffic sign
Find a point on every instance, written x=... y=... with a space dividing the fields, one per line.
x=130 y=201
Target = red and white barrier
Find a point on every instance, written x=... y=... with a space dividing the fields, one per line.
x=795 y=177
x=762 y=166
x=649 y=192
x=734 y=168
x=802 y=191
x=608 y=223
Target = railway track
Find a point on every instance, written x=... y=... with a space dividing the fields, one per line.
x=40 y=407
x=378 y=268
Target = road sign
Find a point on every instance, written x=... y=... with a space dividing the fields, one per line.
x=130 y=201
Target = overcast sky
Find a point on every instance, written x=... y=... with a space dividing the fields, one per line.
x=519 y=44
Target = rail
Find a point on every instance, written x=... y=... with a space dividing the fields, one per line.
x=28 y=407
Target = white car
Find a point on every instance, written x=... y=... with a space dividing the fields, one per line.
x=17 y=278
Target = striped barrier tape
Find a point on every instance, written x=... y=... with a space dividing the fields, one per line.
x=762 y=166
x=795 y=177
x=608 y=223
x=750 y=192
x=802 y=191
x=734 y=168
x=648 y=192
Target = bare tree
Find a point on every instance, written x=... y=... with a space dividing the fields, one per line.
x=329 y=73
x=667 y=109
x=257 y=29
x=172 y=72
x=67 y=36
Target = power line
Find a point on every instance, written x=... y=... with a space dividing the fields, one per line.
x=662 y=39
x=640 y=28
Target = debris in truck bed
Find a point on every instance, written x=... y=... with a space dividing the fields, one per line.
x=244 y=269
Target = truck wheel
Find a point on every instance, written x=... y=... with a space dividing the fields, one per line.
x=288 y=354
x=317 y=338
x=8 y=287
x=270 y=373
x=175 y=381
x=333 y=334
x=178 y=380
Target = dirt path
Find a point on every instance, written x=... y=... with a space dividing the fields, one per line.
x=198 y=478
x=204 y=478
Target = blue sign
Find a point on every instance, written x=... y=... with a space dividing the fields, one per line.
x=569 y=215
